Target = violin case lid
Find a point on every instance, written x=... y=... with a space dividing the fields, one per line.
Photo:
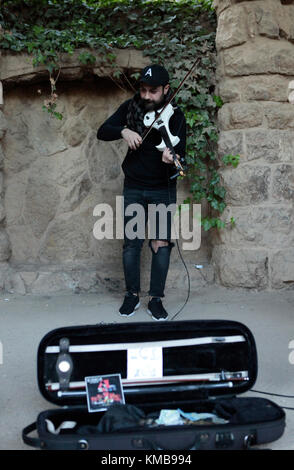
x=198 y=359
x=204 y=366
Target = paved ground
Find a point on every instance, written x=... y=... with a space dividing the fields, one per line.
x=24 y=320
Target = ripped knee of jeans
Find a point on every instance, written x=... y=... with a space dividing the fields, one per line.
x=167 y=245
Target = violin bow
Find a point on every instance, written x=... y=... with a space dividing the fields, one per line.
x=170 y=100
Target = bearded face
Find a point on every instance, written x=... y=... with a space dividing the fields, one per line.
x=152 y=98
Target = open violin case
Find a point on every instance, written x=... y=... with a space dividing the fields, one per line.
x=200 y=367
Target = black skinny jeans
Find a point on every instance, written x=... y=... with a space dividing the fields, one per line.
x=134 y=235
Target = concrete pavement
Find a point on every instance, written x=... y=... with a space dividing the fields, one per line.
x=24 y=320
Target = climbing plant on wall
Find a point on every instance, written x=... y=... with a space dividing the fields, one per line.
x=173 y=33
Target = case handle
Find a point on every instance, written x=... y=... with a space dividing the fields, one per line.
x=31 y=441
x=55 y=444
x=155 y=445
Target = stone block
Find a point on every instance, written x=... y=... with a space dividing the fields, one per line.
x=2 y=211
x=24 y=244
x=269 y=145
x=246 y=184
x=51 y=282
x=17 y=148
x=101 y=169
x=75 y=280
x=230 y=143
x=231 y=30
x=290 y=92
x=229 y=90
x=285 y=17
x=3 y=125
x=17 y=68
x=5 y=248
x=280 y=116
x=18 y=285
x=282 y=269
x=1 y=157
x=267 y=25
x=4 y=274
x=64 y=168
x=75 y=131
x=31 y=132
x=240 y=267
x=94 y=115
x=41 y=202
x=68 y=238
x=283 y=183
x=264 y=56
x=137 y=60
x=75 y=193
x=259 y=227
x=221 y=5
x=28 y=277
x=264 y=88
x=87 y=280
x=43 y=131
x=240 y=116
x=16 y=184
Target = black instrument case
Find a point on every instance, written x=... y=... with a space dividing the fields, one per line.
x=206 y=366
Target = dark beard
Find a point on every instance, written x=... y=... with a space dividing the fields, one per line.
x=148 y=106
x=151 y=106
x=137 y=110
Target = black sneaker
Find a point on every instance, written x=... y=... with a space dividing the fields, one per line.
x=130 y=304
x=156 y=309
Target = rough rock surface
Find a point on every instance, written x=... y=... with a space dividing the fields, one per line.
x=255 y=46
x=53 y=173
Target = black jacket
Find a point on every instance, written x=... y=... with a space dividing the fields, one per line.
x=144 y=168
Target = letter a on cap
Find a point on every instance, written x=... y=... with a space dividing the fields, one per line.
x=149 y=72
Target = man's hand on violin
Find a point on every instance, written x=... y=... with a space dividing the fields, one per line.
x=133 y=139
x=167 y=156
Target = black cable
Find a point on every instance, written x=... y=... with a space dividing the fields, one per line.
x=188 y=293
x=181 y=256
x=272 y=394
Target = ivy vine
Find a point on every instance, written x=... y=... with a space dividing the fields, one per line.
x=171 y=33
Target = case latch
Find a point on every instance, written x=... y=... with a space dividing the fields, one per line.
x=223 y=440
x=64 y=364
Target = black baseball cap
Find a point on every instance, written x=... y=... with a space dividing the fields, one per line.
x=154 y=75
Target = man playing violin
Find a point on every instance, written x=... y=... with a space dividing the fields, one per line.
x=148 y=180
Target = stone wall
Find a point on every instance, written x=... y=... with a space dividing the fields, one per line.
x=5 y=249
x=54 y=173
x=255 y=44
